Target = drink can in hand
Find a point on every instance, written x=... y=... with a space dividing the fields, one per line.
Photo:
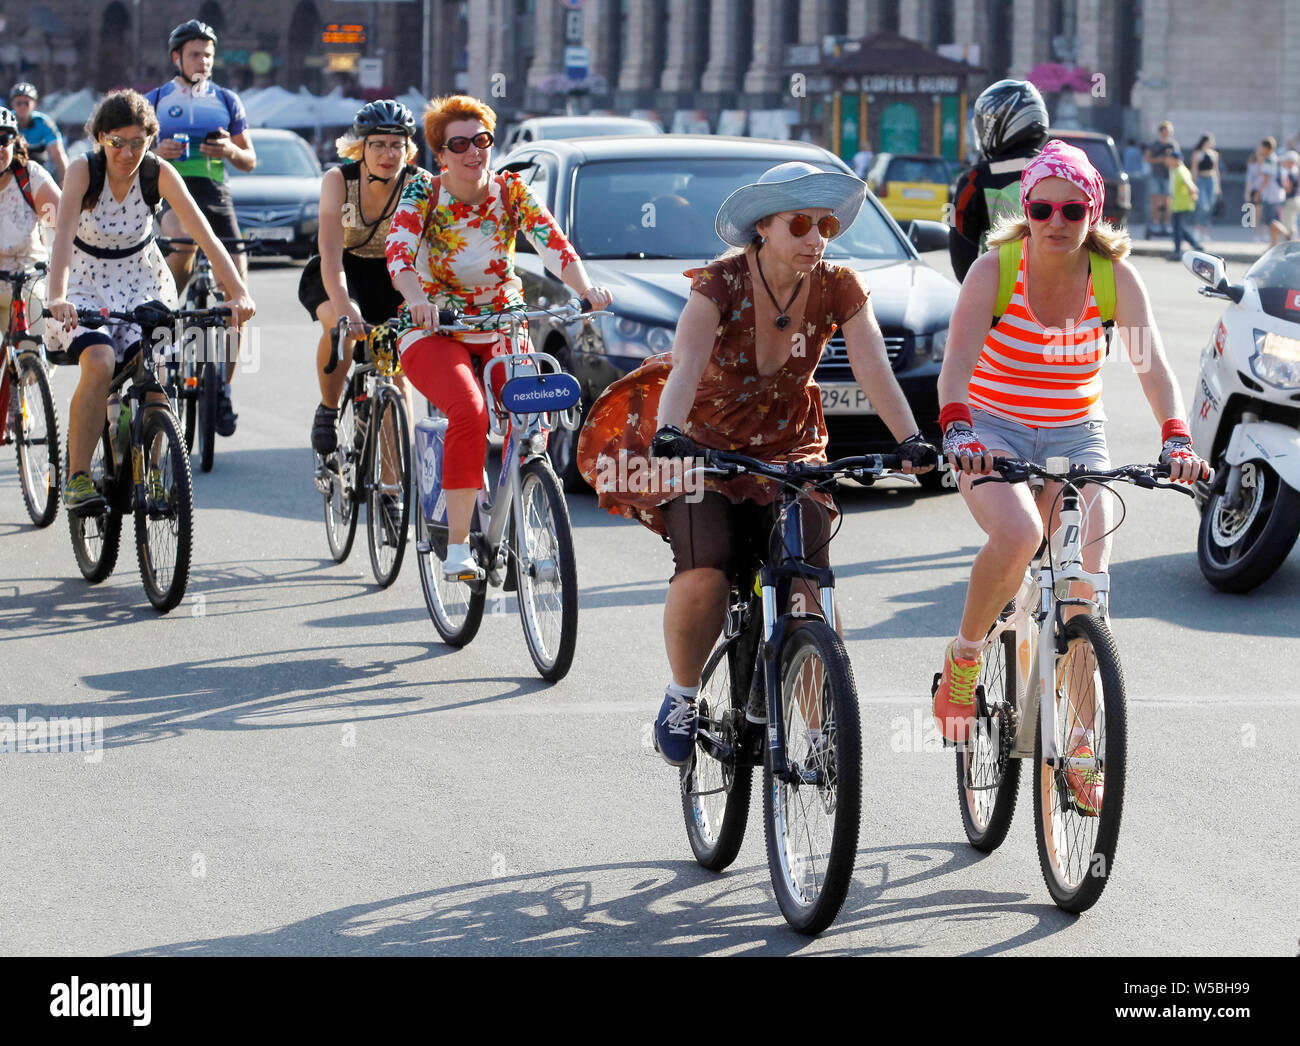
x=184 y=139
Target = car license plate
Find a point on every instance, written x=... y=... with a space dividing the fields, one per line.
x=272 y=232
x=843 y=397
x=918 y=194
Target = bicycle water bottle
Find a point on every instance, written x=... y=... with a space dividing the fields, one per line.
x=430 y=444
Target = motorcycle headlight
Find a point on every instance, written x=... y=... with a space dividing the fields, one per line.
x=626 y=336
x=1276 y=360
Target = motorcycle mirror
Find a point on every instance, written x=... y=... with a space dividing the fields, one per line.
x=1207 y=268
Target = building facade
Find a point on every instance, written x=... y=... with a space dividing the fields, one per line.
x=1220 y=68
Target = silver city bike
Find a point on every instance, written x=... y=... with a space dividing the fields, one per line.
x=520 y=535
x=1051 y=689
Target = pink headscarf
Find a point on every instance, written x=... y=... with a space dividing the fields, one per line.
x=1058 y=160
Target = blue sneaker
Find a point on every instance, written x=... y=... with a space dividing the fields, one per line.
x=675 y=729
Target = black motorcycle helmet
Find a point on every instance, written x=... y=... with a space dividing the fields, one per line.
x=385 y=116
x=1010 y=114
x=191 y=30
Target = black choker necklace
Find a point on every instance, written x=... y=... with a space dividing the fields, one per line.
x=376 y=178
x=782 y=320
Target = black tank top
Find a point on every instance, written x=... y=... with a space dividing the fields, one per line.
x=1207 y=163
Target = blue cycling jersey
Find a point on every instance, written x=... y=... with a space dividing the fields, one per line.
x=40 y=135
x=182 y=110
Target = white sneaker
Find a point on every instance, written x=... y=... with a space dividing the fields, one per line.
x=459 y=564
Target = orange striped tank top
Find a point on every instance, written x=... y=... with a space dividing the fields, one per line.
x=1043 y=377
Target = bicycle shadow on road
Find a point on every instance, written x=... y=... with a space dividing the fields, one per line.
x=653 y=908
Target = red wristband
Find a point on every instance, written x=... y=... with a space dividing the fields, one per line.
x=954 y=412
x=1175 y=427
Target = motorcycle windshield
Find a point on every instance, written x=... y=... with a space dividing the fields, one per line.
x=1277 y=277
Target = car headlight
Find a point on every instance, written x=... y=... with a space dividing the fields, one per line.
x=932 y=346
x=1276 y=360
x=310 y=210
x=626 y=336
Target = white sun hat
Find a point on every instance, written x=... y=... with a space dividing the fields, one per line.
x=788 y=187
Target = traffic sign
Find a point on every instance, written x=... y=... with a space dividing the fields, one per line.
x=576 y=62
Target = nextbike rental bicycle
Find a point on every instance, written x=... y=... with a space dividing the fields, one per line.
x=27 y=405
x=371 y=463
x=1051 y=689
x=147 y=473
x=520 y=534
x=193 y=376
x=778 y=692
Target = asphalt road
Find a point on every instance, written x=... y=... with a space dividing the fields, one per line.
x=293 y=764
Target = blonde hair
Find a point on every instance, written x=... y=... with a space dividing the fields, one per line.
x=350 y=147
x=1103 y=238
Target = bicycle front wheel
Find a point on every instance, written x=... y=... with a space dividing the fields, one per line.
x=96 y=539
x=388 y=485
x=209 y=391
x=164 y=517
x=988 y=778
x=546 y=570
x=341 y=503
x=455 y=607
x=37 y=440
x=1077 y=804
x=812 y=817
x=716 y=788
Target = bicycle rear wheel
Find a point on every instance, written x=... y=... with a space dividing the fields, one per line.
x=716 y=791
x=342 y=502
x=988 y=778
x=455 y=607
x=96 y=539
x=37 y=441
x=209 y=391
x=546 y=571
x=164 y=517
x=812 y=819
x=1077 y=829
x=390 y=455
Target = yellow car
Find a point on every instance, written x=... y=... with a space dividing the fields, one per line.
x=911 y=185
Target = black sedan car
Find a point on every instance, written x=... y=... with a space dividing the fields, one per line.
x=640 y=210
x=278 y=202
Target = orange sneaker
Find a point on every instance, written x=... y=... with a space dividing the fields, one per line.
x=1086 y=786
x=954 y=698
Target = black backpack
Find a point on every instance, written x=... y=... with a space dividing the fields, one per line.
x=150 y=165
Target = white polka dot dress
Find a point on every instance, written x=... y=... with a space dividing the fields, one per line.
x=116 y=283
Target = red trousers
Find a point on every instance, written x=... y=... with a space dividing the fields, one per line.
x=443 y=370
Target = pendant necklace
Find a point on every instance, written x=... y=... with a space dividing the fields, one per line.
x=782 y=320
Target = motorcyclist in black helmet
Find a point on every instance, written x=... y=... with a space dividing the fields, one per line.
x=1011 y=125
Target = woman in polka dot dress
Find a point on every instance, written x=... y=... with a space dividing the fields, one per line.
x=104 y=257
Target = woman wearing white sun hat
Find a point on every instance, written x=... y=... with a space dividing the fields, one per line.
x=740 y=378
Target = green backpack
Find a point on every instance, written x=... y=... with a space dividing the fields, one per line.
x=1103 y=283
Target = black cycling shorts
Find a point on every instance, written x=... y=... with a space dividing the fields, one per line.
x=368 y=284
x=217 y=205
x=84 y=341
x=715 y=532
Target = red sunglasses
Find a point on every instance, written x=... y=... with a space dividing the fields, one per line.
x=1041 y=210
x=827 y=228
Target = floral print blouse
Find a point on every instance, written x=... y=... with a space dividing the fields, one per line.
x=776 y=417
x=466 y=259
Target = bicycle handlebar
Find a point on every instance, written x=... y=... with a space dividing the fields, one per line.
x=1019 y=470
x=150 y=314
x=865 y=468
x=18 y=277
x=569 y=311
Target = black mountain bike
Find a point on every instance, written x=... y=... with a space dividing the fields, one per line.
x=778 y=691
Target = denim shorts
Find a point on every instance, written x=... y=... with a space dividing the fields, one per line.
x=1083 y=444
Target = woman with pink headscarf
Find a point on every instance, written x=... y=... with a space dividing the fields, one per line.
x=1027 y=384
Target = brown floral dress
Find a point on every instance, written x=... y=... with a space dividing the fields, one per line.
x=774 y=418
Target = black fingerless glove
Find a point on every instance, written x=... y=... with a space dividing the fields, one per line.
x=918 y=452
x=672 y=442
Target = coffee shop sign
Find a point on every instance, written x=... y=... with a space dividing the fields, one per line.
x=910 y=84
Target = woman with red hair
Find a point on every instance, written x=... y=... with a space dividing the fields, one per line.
x=451 y=245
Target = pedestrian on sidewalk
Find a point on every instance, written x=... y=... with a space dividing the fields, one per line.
x=1291 y=206
x=1156 y=154
x=1205 y=165
x=1182 y=194
x=1270 y=191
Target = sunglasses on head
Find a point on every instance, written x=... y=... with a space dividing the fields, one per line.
x=1041 y=210
x=827 y=228
x=460 y=144
x=7 y=137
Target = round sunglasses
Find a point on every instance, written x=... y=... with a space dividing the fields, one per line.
x=1041 y=210
x=828 y=228
x=460 y=144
